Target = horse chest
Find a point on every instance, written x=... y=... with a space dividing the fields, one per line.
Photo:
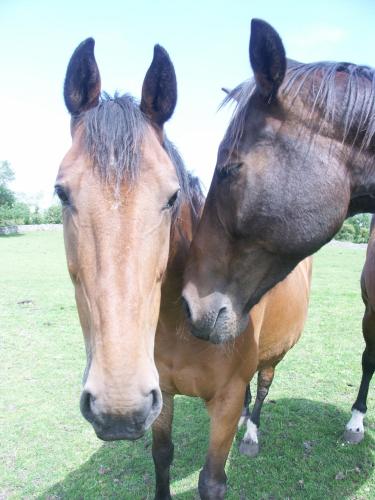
x=194 y=368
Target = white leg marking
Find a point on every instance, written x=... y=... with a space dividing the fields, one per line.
x=251 y=432
x=355 y=424
x=241 y=422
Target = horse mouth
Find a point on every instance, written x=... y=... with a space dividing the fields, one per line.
x=222 y=332
x=119 y=435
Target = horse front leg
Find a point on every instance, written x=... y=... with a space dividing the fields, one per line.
x=354 y=431
x=162 y=448
x=224 y=410
x=250 y=443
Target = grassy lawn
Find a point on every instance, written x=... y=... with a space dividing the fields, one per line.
x=48 y=451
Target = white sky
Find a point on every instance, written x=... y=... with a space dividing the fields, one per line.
x=207 y=41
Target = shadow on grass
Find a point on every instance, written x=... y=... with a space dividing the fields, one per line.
x=302 y=456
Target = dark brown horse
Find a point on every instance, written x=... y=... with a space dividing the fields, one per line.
x=297 y=159
x=130 y=210
x=354 y=431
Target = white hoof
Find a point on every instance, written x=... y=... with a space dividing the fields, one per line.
x=353 y=437
x=249 y=446
x=354 y=430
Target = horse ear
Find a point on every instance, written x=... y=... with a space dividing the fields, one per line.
x=267 y=57
x=159 y=90
x=82 y=81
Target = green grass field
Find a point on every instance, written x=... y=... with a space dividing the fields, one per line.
x=48 y=451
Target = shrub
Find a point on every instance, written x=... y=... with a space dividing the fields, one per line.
x=53 y=215
x=37 y=217
x=19 y=213
x=6 y=196
x=356 y=229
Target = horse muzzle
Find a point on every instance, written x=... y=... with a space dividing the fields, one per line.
x=115 y=426
x=213 y=320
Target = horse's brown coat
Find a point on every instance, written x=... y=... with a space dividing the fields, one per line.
x=219 y=374
x=118 y=232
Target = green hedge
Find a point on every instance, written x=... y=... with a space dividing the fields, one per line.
x=356 y=229
x=14 y=212
x=20 y=213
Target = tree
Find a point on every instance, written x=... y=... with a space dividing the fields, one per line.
x=6 y=173
x=53 y=215
x=36 y=216
x=7 y=197
x=355 y=229
x=19 y=213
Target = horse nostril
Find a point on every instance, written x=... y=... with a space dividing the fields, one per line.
x=222 y=311
x=155 y=400
x=186 y=308
x=87 y=399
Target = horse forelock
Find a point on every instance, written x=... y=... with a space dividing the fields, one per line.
x=113 y=135
x=350 y=100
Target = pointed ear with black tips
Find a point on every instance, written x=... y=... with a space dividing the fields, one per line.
x=159 y=90
x=267 y=58
x=82 y=81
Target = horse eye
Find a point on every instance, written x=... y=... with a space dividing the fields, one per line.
x=61 y=193
x=227 y=170
x=172 y=200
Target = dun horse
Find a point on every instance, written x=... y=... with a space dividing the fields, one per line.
x=296 y=160
x=130 y=210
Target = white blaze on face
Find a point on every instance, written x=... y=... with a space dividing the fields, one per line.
x=251 y=433
x=355 y=424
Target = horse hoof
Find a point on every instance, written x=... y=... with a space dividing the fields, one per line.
x=249 y=448
x=353 y=437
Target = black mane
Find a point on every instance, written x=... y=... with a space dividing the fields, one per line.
x=355 y=110
x=190 y=185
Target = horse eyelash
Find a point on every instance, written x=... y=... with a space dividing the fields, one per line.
x=227 y=170
x=62 y=195
x=172 y=200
